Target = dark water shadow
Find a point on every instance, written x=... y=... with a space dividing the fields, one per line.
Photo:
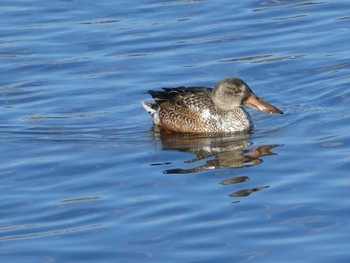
x=217 y=152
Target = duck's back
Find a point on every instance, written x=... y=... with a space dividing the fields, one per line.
x=195 y=98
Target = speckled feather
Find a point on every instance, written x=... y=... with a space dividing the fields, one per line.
x=191 y=110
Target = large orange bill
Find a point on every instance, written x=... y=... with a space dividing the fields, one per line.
x=256 y=103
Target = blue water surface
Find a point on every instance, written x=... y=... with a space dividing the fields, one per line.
x=83 y=178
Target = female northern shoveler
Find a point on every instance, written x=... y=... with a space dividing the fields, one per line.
x=206 y=110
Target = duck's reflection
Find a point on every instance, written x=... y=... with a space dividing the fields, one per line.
x=217 y=152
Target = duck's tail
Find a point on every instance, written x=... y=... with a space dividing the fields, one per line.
x=153 y=110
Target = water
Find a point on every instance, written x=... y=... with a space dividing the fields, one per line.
x=83 y=179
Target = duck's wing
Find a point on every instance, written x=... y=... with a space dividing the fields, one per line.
x=181 y=109
x=192 y=98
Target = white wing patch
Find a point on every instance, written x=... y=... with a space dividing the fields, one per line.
x=206 y=114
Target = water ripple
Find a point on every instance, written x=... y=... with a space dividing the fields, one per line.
x=85 y=179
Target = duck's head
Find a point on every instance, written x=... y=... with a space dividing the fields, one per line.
x=234 y=92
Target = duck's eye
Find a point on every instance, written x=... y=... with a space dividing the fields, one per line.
x=237 y=90
x=233 y=90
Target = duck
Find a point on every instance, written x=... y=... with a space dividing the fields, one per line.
x=199 y=110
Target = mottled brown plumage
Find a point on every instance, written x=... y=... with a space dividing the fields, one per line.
x=206 y=110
